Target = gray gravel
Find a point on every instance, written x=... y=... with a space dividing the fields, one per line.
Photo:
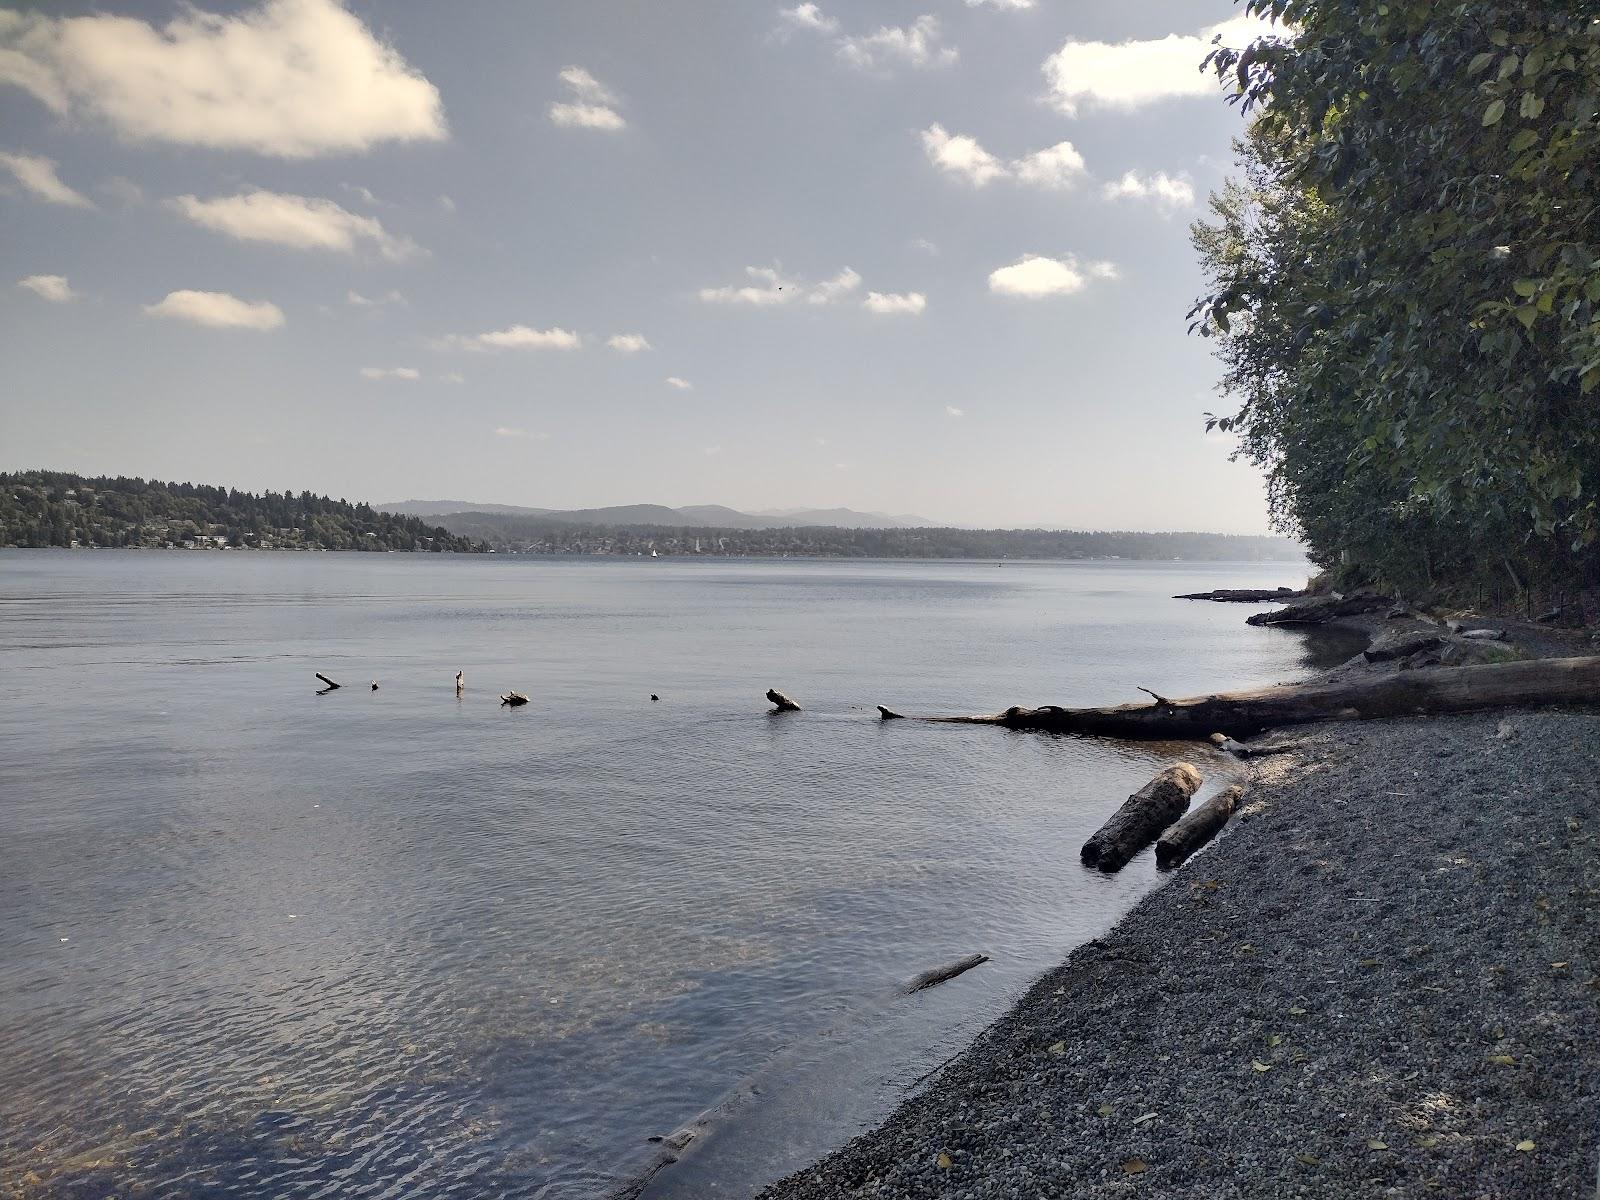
x=1403 y=930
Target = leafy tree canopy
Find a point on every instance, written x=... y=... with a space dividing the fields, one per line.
x=1405 y=286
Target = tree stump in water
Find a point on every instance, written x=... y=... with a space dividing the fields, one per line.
x=1198 y=828
x=781 y=703
x=1142 y=818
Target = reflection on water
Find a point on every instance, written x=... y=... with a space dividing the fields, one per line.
x=259 y=942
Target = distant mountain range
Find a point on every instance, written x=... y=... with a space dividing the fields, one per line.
x=700 y=516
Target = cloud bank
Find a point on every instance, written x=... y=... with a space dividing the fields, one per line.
x=287 y=78
x=219 y=310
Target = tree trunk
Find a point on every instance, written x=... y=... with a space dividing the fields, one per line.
x=1198 y=828
x=939 y=974
x=1141 y=818
x=781 y=702
x=332 y=686
x=1244 y=595
x=1536 y=681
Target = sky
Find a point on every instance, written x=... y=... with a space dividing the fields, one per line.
x=927 y=256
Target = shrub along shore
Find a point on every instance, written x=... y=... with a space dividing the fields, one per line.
x=1383 y=980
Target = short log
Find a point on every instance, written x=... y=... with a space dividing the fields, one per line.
x=332 y=686
x=1142 y=818
x=780 y=702
x=1197 y=828
x=888 y=714
x=939 y=974
x=1239 y=750
x=514 y=699
x=1321 y=609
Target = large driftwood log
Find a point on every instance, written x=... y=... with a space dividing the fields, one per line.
x=939 y=974
x=1141 y=818
x=1537 y=681
x=332 y=686
x=1197 y=828
x=1243 y=595
x=1320 y=609
x=781 y=703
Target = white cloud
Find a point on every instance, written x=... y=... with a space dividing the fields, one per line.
x=1134 y=73
x=122 y=189
x=767 y=290
x=586 y=116
x=300 y=222
x=1167 y=191
x=452 y=377
x=924 y=245
x=916 y=45
x=447 y=204
x=1058 y=166
x=218 y=310
x=53 y=288
x=290 y=78
x=683 y=385
x=363 y=194
x=1011 y=4
x=591 y=106
x=506 y=431
x=809 y=16
x=356 y=300
x=713 y=450
x=829 y=290
x=1033 y=276
x=517 y=337
x=38 y=175
x=407 y=373
x=894 y=303
x=952 y=410
x=961 y=155
x=628 y=343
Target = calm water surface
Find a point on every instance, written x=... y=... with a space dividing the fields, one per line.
x=260 y=942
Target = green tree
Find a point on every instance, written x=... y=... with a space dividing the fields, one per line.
x=1405 y=286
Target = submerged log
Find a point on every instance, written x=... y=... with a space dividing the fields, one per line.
x=888 y=714
x=781 y=703
x=1244 y=595
x=939 y=974
x=1141 y=818
x=1535 y=681
x=332 y=686
x=514 y=699
x=1196 y=829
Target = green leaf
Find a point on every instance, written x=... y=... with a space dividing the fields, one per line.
x=1525 y=287
x=1480 y=63
x=1492 y=114
x=1525 y=139
x=1531 y=106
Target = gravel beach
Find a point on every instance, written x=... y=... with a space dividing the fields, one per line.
x=1384 y=980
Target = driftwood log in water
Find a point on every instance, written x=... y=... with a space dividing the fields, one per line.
x=1532 y=682
x=514 y=699
x=1244 y=595
x=1141 y=818
x=332 y=686
x=1197 y=828
x=939 y=974
x=1318 y=610
x=781 y=703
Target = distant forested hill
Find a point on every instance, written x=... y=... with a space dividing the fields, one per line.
x=53 y=508
x=547 y=535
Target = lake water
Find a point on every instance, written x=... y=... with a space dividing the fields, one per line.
x=260 y=942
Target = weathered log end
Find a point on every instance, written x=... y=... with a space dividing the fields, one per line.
x=1141 y=818
x=888 y=714
x=1197 y=828
x=780 y=702
x=332 y=686
x=939 y=974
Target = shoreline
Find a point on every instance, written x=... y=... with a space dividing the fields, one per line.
x=1379 y=980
